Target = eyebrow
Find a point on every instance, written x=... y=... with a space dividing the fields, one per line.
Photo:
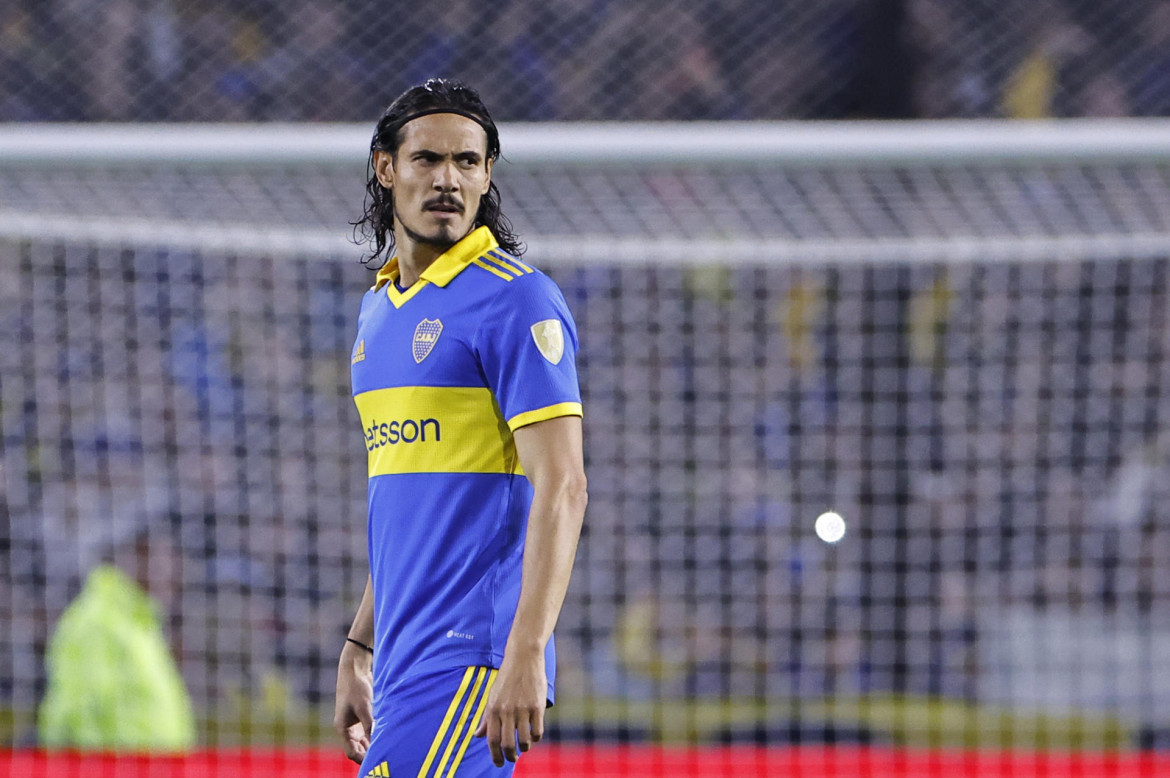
x=467 y=154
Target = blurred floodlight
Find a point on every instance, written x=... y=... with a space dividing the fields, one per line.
x=830 y=527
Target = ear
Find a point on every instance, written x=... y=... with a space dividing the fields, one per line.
x=487 y=180
x=384 y=168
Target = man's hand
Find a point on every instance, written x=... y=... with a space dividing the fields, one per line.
x=515 y=709
x=551 y=454
x=353 y=713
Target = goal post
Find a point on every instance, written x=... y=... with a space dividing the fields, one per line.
x=954 y=335
x=916 y=151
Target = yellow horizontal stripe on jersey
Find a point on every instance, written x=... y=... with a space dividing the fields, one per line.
x=435 y=429
x=544 y=414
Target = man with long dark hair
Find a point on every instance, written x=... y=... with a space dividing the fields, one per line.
x=465 y=379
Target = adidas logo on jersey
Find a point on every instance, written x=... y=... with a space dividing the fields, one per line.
x=381 y=771
x=360 y=352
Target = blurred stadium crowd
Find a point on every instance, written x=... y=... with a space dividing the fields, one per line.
x=998 y=450
x=327 y=60
x=996 y=434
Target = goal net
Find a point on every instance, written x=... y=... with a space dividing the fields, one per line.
x=953 y=336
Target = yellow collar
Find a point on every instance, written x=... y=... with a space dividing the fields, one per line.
x=447 y=265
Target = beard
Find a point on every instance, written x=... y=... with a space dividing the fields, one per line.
x=443 y=238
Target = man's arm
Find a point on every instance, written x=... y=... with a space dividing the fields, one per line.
x=353 y=713
x=552 y=457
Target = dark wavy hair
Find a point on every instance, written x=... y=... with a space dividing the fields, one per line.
x=434 y=96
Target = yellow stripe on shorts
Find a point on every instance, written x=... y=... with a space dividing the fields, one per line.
x=441 y=735
x=474 y=723
x=462 y=721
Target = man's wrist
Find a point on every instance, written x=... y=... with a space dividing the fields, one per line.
x=519 y=648
x=356 y=655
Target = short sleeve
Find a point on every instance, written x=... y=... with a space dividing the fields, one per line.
x=527 y=346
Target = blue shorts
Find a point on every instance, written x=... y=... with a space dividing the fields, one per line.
x=427 y=727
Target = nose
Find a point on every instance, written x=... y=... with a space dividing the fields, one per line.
x=446 y=178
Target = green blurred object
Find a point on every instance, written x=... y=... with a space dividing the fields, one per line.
x=113 y=684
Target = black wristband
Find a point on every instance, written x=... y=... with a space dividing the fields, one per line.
x=360 y=644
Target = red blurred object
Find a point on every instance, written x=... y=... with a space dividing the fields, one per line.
x=619 y=761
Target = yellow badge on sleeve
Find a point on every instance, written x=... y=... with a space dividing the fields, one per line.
x=550 y=339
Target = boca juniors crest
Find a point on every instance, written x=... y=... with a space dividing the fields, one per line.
x=426 y=335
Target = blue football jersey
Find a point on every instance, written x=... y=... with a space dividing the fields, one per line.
x=442 y=373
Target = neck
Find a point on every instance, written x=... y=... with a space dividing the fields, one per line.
x=414 y=254
x=413 y=259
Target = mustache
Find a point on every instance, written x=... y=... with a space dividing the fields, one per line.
x=443 y=200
